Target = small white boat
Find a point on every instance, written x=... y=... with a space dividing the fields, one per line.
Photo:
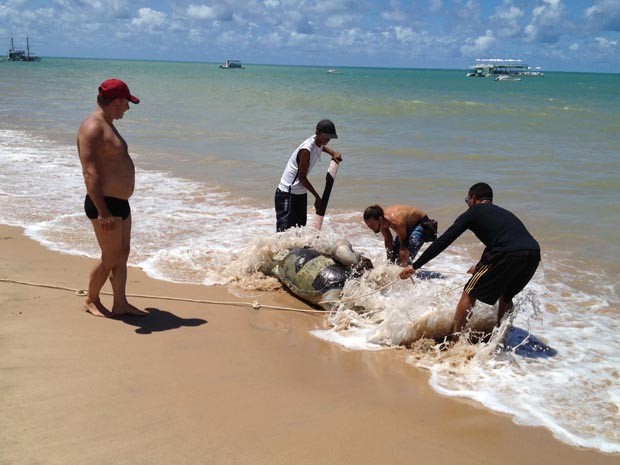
x=507 y=77
x=232 y=64
x=333 y=71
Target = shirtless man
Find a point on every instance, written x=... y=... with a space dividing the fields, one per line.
x=405 y=221
x=109 y=175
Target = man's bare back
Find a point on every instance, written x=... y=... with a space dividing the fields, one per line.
x=403 y=215
x=403 y=220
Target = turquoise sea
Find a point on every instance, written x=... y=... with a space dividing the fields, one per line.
x=210 y=146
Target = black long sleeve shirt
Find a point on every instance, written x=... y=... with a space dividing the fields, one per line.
x=498 y=229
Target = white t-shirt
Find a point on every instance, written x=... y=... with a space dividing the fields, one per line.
x=292 y=167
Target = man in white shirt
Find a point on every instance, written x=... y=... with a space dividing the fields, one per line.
x=291 y=199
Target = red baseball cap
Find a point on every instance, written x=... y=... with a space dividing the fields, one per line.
x=115 y=88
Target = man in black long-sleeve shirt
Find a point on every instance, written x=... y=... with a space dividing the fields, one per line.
x=507 y=264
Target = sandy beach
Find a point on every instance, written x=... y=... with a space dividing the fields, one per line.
x=197 y=383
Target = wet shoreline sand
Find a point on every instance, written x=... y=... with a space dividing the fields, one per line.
x=196 y=383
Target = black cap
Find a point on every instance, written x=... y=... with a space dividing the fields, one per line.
x=327 y=128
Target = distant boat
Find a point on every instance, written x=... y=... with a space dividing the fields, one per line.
x=21 y=55
x=333 y=71
x=232 y=64
x=492 y=67
x=507 y=77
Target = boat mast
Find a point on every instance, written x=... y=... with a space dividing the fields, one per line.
x=28 y=48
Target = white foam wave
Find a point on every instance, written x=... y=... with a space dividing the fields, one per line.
x=534 y=391
x=578 y=326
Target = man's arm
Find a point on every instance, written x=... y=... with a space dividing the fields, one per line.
x=387 y=239
x=336 y=156
x=442 y=242
x=304 y=165
x=90 y=140
x=400 y=228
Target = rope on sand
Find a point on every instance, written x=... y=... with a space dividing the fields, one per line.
x=256 y=305
x=81 y=292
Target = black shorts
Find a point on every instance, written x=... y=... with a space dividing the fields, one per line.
x=291 y=210
x=504 y=275
x=117 y=207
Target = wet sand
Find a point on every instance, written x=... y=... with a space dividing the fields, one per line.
x=197 y=383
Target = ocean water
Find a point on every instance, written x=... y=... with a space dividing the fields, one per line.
x=210 y=146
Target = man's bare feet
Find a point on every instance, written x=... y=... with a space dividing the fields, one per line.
x=96 y=308
x=127 y=309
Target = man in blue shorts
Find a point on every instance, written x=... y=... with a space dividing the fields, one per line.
x=408 y=224
x=507 y=264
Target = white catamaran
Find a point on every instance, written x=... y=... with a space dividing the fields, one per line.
x=494 y=67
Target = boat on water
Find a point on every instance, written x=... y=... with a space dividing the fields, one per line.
x=232 y=64
x=333 y=71
x=493 y=67
x=507 y=77
x=21 y=55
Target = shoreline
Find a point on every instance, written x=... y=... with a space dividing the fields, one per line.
x=195 y=383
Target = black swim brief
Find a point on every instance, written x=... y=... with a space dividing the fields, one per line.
x=503 y=275
x=117 y=207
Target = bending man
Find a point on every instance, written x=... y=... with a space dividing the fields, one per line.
x=507 y=264
x=406 y=222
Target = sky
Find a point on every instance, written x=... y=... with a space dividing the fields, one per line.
x=560 y=35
